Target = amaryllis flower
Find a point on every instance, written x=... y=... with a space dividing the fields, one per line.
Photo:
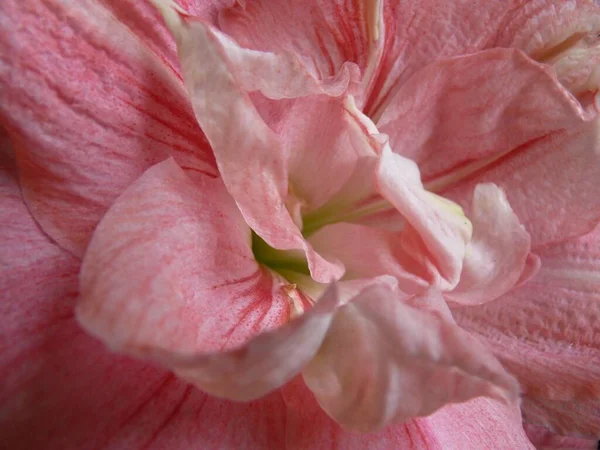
x=196 y=206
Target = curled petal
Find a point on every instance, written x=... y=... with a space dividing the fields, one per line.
x=437 y=117
x=384 y=361
x=497 y=255
x=436 y=228
x=251 y=158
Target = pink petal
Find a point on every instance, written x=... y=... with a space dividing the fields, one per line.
x=250 y=156
x=264 y=364
x=417 y=33
x=561 y=33
x=437 y=117
x=370 y=252
x=170 y=275
x=89 y=114
x=497 y=255
x=473 y=425
x=547 y=333
x=61 y=383
x=546 y=440
x=325 y=35
x=436 y=229
x=383 y=361
x=551 y=184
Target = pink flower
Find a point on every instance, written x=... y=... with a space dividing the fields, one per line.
x=215 y=247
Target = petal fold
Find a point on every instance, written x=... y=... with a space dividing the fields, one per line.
x=497 y=255
x=435 y=229
x=437 y=118
x=383 y=361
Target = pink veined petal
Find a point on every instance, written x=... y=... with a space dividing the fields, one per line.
x=89 y=114
x=435 y=228
x=170 y=267
x=547 y=334
x=457 y=115
x=561 y=33
x=369 y=252
x=383 y=361
x=546 y=440
x=551 y=184
x=62 y=383
x=263 y=364
x=497 y=254
x=325 y=35
x=474 y=425
x=170 y=275
x=416 y=33
x=257 y=181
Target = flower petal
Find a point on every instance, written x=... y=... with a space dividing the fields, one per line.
x=416 y=33
x=250 y=156
x=384 y=361
x=170 y=267
x=551 y=184
x=370 y=252
x=60 y=382
x=89 y=114
x=561 y=33
x=469 y=426
x=547 y=334
x=435 y=228
x=546 y=440
x=497 y=254
x=436 y=117
x=325 y=34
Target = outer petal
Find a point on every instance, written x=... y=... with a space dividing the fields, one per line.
x=384 y=361
x=436 y=229
x=561 y=33
x=547 y=333
x=250 y=156
x=457 y=115
x=497 y=254
x=89 y=114
x=551 y=184
x=545 y=440
x=60 y=382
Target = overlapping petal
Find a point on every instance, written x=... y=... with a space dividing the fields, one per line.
x=384 y=361
x=550 y=183
x=325 y=34
x=546 y=333
x=497 y=255
x=89 y=113
x=457 y=115
x=563 y=34
x=468 y=426
x=436 y=229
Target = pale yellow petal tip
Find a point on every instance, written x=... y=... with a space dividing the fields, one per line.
x=171 y=13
